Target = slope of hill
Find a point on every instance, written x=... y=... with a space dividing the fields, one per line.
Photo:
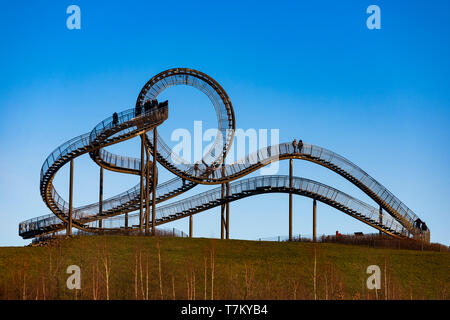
x=130 y=267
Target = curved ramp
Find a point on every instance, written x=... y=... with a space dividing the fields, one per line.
x=272 y=184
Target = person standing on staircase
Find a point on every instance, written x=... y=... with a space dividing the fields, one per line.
x=147 y=106
x=138 y=110
x=294 y=144
x=195 y=168
x=300 y=146
x=115 y=119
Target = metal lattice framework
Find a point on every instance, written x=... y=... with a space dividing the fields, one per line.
x=116 y=213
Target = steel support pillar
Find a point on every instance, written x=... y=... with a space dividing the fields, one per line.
x=190 y=226
x=155 y=141
x=147 y=194
x=141 y=209
x=69 y=224
x=290 y=200
x=222 y=213
x=314 y=220
x=380 y=219
x=100 y=199
x=228 y=213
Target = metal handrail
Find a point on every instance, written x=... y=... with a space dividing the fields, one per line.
x=286 y=150
x=129 y=123
x=265 y=184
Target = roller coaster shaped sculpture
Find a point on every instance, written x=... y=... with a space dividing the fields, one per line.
x=115 y=214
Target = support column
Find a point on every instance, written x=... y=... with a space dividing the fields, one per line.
x=141 y=209
x=314 y=220
x=155 y=141
x=222 y=213
x=69 y=225
x=228 y=213
x=100 y=198
x=290 y=200
x=380 y=219
x=190 y=226
x=147 y=193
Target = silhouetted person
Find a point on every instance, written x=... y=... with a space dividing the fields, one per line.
x=424 y=227
x=418 y=223
x=294 y=144
x=147 y=106
x=154 y=103
x=213 y=168
x=115 y=118
x=183 y=180
x=138 y=111
x=195 y=168
x=209 y=170
x=300 y=145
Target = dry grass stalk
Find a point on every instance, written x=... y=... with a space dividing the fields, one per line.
x=136 y=277
x=315 y=273
x=140 y=274
x=212 y=272
x=173 y=287
x=146 y=277
x=204 y=259
x=107 y=267
x=248 y=277
x=159 y=268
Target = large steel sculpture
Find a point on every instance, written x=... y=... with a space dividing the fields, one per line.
x=115 y=214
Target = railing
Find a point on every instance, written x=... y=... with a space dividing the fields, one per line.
x=251 y=186
x=316 y=152
x=130 y=197
x=71 y=145
x=83 y=143
x=162 y=232
x=124 y=117
x=86 y=139
x=107 y=130
x=273 y=153
x=209 y=87
x=122 y=162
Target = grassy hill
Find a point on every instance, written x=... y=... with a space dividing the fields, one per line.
x=130 y=267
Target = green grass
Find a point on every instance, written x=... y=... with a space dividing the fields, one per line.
x=242 y=270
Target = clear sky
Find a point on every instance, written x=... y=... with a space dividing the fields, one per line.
x=312 y=69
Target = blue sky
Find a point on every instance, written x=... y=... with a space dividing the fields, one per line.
x=312 y=69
